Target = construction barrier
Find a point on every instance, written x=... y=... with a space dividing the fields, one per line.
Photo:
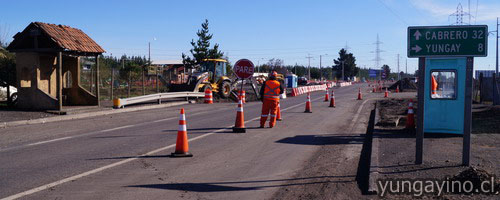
x=305 y=89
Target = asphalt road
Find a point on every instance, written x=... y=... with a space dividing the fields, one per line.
x=125 y=156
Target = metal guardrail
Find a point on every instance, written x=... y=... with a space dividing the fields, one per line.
x=120 y=103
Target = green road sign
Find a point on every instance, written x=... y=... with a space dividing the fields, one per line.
x=443 y=41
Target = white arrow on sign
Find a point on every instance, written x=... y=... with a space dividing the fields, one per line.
x=416 y=48
x=417 y=35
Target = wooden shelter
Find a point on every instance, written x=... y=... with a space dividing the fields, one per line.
x=48 y=58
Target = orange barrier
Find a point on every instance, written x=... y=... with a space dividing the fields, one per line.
x=410 y=121
x=208 y=96
x=326 y=95
x=308 y=104
x=278 y=115
x=181 y=146
x=239 y=124
x=360 y=96
x=242 y=95
x=332 y=100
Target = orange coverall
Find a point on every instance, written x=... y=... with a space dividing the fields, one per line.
x=270 y=93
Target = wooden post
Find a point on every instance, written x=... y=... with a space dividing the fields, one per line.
x=468 y=111
x=420 y=112
x=143 y=80
x=157 y=78
x=97 y=93
x=129 y=82
x=112 y=81
x=59 y=81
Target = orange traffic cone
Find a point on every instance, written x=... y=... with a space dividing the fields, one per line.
x=386 y=93
x=308 y=103
x=326 y=95
x=332 y=100
x=208 y=96
x=239 y=125
x=181 y=146
x=410 y=121
x=397 y=89
x=360 y=96
x=242 y=95
x=278 y=115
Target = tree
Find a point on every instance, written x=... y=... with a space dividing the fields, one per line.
x=201 y=49
x=349 y=62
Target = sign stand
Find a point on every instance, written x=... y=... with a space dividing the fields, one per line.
x=468 y=111
x=446 y=41
x=419 y=154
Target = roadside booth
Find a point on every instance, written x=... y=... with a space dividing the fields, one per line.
x=444 y=95
x=291 y=81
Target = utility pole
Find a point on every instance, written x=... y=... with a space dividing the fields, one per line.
x=406 y=71
x=309 y=66
x=320 y=72
x=343 y=70
x=399 y=77
x=496 y=70
x=320 y=67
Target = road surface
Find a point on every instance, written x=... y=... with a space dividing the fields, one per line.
x=126 y=156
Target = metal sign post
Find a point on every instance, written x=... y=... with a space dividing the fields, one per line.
x=468 y=111
x=446 y=41
x=420 y=112
x=439 y=41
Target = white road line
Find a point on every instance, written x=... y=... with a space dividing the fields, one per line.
x=118 y=128
x=72 y=178
x=95 y=132
x=359 y=111
x=43 y=142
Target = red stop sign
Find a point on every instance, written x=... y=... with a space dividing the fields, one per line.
x=243 y=68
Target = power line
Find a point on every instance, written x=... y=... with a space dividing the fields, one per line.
x=393 y=12
x=475 y=16
x=418 y=11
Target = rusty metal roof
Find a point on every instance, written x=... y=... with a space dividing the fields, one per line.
x=70 y=39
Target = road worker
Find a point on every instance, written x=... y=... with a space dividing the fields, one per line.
x=434 y=87
x=270 y=96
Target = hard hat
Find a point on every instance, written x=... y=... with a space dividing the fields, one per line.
x=274 y=73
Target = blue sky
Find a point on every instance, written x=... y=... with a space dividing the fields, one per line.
x=257 y=29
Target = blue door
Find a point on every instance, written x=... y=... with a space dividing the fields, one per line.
x=444 y=95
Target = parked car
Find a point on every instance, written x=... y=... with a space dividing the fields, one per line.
x=13 y=94
x=302 y=81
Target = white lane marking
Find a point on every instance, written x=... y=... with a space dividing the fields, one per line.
x=43 y=142
x=117 y=128
x=359 y=111
x=72 y=178
x=95 y=132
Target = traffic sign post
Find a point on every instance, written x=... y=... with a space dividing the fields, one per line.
x=243 y=68
x=439 y=41
x=436 y=44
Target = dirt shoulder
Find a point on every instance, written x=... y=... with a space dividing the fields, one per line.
x=333 y=172
x=442 y=153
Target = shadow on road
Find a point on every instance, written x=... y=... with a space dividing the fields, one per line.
x=363 y=174
x=322 y=139
x=229 y=186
